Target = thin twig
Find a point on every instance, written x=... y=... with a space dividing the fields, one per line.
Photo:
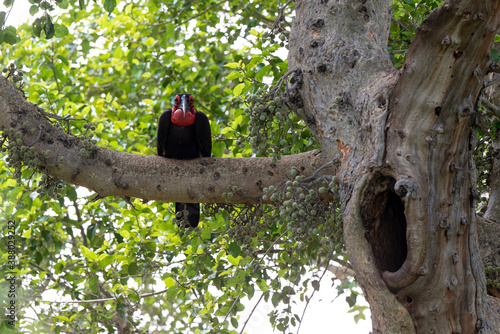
x=280 y=82
x=309 y=300
x=100 y=300
x=493 y=108
x=315 y=174
x=251 y=313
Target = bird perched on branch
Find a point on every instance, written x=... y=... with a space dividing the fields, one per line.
x=184 y=133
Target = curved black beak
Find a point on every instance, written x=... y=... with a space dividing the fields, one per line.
x=185 y=105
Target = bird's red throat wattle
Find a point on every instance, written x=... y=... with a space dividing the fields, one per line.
x=178 y=117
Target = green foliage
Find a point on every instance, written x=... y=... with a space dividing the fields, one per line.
x=407 y=16
x=113 y=75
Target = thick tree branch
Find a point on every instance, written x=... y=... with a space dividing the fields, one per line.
x=112 y=173
x=429 y=157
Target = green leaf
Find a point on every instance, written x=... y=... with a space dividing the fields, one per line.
x=38 y=257
x=171 y=293
x=132 y=268
x=61 y=30
x=46 y=235
x=109 y=5
x=34 y=9
x=495 y=55
x=81 y=4
x=10 y=35
x=85 y=46
x=46 y=6
x=37 y=26
x=91 y=231
x=275 y=299
x=351 y=300
x=237 y=90
x=2 y=19
x=118 y=237
x=234 y=322
x=8 y=3
x=232 y=65
x=234 y=261
x=359 y=316
x=70 y=191
x=93 y=283
x=234 y=249
x=105 y=260
x=48 y=27
x=233 y=75
x=62 y=4
x=263 y=71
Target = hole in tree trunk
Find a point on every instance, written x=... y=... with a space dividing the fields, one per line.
x=382 y=211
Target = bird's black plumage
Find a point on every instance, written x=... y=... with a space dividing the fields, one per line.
x=184 y=140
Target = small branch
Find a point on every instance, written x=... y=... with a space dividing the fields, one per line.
x=493 y=108
x=102 y=299
x=251 y=313
x=309 y=300
x=277 y=87
x=66 y=118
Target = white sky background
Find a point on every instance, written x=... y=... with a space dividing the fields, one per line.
x=324 y=314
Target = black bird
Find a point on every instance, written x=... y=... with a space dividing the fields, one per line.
x=184 y=133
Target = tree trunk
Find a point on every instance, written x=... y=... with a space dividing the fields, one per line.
x=404 y=145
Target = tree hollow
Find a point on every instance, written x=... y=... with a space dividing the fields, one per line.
x=382 y=212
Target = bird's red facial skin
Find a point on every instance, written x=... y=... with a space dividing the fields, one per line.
x=178 y=117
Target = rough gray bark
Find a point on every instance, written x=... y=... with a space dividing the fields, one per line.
x=113 y=173
x=406 y=172
x=429 y=149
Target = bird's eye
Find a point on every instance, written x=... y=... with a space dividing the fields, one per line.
x=191 y=100
x=177 y=100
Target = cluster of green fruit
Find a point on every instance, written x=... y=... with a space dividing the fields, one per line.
x=298 y=211
x=21 y=155
x=277 y=35
x=492 y=276
x=271 y=125
x=308 y=218
x=13 y=73
x=89 y=144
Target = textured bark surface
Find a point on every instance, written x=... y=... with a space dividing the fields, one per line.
x=113 y=173
x=406 y=169
x=342 y=80
x=429 y=154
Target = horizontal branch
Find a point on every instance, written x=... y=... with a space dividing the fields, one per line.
x=113 y=173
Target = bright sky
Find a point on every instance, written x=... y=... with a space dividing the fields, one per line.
x=325 y=313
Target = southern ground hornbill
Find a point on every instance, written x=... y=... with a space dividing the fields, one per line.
x=184 y=133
